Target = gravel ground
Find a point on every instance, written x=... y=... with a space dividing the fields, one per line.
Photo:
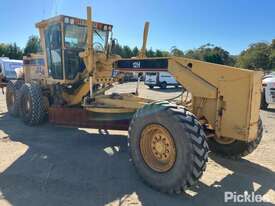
x=51 y=165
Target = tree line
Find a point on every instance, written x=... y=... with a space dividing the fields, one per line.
x=259 y=55
x=13 y=51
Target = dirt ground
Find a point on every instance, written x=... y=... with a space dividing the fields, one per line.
x=51 y=165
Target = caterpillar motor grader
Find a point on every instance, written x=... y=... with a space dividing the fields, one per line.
x=168 y=141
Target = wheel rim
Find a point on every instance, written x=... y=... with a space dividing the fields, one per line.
x=224 y=140
x=157 y=148
x=26 y=105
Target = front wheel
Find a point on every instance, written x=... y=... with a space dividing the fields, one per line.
x=32 y=108
x=168 y=146
x=151 y=86
x=235 y=149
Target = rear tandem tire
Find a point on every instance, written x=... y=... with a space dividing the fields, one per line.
x=189 y=140
x=237 y=148
x=12 y=97
x=32 y=109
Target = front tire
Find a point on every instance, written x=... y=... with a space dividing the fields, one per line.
x=168 y=146
x=236 y=149
x=151 y=86
x=32 y=109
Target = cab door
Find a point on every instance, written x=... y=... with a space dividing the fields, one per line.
x=53 y=40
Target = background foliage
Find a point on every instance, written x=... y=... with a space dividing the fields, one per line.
x=259 y=55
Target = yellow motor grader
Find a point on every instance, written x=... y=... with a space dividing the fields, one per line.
x=168 y=141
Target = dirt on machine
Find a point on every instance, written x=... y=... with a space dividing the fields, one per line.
x=169 y=141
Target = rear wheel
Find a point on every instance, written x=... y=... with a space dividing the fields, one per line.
x=168 y=146
x=235 y=149
x=12 y=97
x=151 y=86
x=32 y=109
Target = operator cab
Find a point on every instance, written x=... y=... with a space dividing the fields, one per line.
x=63 y=38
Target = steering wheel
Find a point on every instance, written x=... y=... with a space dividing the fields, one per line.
x=98 y=47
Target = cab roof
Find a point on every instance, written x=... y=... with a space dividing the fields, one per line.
x=74 y=21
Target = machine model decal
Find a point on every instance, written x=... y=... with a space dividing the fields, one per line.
x=142 y=65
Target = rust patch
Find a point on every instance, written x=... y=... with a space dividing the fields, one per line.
x=79 y=117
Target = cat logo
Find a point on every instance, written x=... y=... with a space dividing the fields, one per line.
x=136 y=64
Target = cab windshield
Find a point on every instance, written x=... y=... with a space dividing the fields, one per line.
x=76 y=35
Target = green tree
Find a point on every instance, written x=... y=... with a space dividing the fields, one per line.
x=176 y=52
x=10 y=50
x=160 y=53
x=257 y=56
x=3 y=49
x=165 y=53
x=150 y=53
x=272 y=55
x=33 y=45
x=126 y=52
x=135 y=51
x=117 y=50
x=193 y=54
x=211 y=53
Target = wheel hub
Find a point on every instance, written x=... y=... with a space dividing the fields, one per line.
x=161 y=147
x=157 y=148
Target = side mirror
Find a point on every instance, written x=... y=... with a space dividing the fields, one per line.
x=111 y=47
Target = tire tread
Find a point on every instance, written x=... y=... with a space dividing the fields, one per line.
x=198 y=141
